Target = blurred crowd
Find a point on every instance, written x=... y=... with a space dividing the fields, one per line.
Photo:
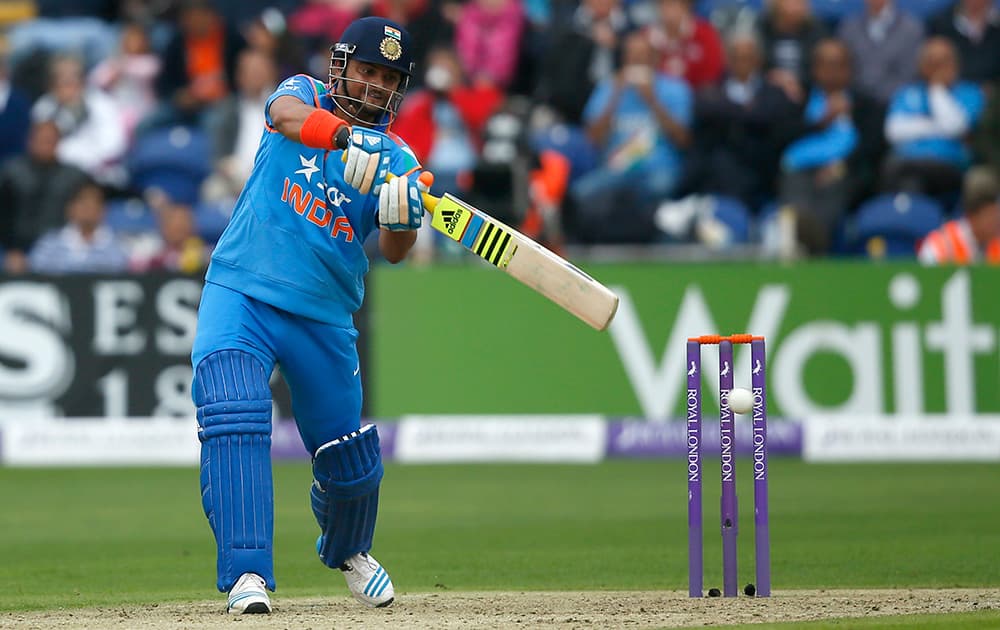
x=832 y=127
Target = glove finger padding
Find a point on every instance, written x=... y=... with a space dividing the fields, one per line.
x=367 y=160
x=388 y=216
x=399 y=205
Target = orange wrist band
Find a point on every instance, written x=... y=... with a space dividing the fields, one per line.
x=319 y=129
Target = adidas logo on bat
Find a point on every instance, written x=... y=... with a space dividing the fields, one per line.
x=451 y=218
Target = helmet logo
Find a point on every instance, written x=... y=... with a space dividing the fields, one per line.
x=390 y=49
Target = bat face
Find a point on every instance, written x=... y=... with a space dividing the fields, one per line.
x=479 y=233
x=527 y=261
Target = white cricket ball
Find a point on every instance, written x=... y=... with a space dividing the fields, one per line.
x=740 y=400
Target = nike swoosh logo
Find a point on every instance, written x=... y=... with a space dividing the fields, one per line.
x=357 y=369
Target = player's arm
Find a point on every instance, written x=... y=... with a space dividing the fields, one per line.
x=396 y=245
x=288 y=114
x=308 y=125
x=368 y=153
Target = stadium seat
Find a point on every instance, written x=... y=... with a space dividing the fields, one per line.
x=728 y=16
x=211 y=219
x=832 y=11
x=733 y=215
x=174 y=160
x=89 y=38
x=130 y=216
x=765 y=214
x=892 y=225
x=925 y=9
x=571 y=142
x=706 y=8
x=768 y=232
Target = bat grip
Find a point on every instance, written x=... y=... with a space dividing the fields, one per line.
x=430 y=201
x=343 y=137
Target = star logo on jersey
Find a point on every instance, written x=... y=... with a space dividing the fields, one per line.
x=308 y=167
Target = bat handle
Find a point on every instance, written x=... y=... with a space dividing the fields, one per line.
x=343 y=137
x=430 y=201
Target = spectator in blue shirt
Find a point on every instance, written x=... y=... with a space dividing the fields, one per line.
x=639 y=121
x=85 y=244
x=928 y=125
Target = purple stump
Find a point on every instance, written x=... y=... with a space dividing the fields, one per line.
x=695 y=558
x=762 y=542
x=727 y=453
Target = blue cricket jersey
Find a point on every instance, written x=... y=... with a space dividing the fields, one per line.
x=295 y=239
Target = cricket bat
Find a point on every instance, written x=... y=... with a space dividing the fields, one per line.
x=524 y=259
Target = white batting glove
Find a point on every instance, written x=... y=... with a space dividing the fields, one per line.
x=367 y=162
x=400 y=204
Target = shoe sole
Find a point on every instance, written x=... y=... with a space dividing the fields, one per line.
x=257 y=608
x=385 y=604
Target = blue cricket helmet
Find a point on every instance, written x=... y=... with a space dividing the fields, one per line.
x=378 y=41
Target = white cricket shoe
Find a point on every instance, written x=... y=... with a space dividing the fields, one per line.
x=368 y=581
x=249 y=596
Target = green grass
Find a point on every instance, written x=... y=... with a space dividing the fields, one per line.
x=113 y=536
x=988 y=619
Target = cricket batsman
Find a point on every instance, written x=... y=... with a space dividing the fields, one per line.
x=284 y=281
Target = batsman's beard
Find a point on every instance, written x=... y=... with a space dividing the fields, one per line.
x=373 y=107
